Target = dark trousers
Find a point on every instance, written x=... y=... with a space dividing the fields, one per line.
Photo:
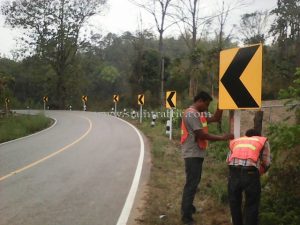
x=193 y=170
x=244 y=180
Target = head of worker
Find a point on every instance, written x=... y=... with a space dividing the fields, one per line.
x=202 y=101
x=252 y=132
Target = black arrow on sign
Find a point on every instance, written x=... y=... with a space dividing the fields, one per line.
x=116 y=98
x=231 y=79
x=141 y=99
x=169 y=99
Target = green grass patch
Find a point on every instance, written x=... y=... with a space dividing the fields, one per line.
x=16 y=126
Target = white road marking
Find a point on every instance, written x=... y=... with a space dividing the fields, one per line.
x=135 y=183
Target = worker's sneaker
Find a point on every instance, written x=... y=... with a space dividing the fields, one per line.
x=188 y=221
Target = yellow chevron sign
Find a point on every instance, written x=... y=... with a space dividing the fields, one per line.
x=240 y=78
x=171 y=99
x=84 y=98
x=141 y=99
x=116 y=98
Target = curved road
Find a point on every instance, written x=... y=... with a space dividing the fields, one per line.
x=82 y=171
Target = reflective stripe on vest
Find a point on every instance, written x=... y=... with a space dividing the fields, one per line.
x=247 y=147
x=184 y=132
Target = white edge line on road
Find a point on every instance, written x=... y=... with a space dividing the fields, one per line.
x=52 y=154
x=135 y=183
x=30 y=135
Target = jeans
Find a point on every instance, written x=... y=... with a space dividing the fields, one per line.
x=193 y=170
x=247 y=180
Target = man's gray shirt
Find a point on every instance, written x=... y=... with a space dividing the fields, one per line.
x=190 y=147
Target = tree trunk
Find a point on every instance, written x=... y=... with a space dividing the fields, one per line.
x=161 y=69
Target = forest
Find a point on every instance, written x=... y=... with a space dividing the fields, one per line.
x=59 y=62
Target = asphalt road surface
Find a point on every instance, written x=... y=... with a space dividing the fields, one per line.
x=84 y=170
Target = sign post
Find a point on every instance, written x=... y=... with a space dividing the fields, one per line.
x=116 y=98
x=6 y=105
x=141 y=101
x=240 y=82
x=84 y=100
x=45 y=100
x=171 y=104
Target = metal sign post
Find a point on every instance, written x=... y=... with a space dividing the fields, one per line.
x=45 y=100
x=84 y=100
x=141 y=102
x=235 y=122
x=6 y=105
x=171 y=118
x=141 y=113
x=116 y=98
x=170 y=104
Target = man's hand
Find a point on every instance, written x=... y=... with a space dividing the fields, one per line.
x=227 y=137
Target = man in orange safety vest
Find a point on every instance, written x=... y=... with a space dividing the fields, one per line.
x=194 y=140
x=249 y=157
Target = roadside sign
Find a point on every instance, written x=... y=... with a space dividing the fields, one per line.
x=141 y=99
x=171 y=99
x=116 y=98
x=84 y=98
x=240 y=78
x=45 y=98
x=7 y=100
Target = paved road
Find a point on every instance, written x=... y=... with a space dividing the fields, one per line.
x=79 y=172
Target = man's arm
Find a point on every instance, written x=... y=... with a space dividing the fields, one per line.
x=200 y=134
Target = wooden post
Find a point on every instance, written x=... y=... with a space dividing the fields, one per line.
x=258 y=119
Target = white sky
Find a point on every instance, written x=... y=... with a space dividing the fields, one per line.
x=121 y=15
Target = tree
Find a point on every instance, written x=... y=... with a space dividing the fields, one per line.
x=254 y=27
x=286 y=28
x=53 y=31
x=189 y=14
x=6 y=85
x=293 y=93
x=159 y=9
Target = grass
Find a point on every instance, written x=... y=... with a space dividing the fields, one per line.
x=167 y=179
x=16 y=126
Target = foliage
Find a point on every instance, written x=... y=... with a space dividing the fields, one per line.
x=286 y=25
x=281 y=188
x=53 y=31
x=253 y=27
x=280 y=198
x=293 y=93
x=283 y=137
x=16 y=126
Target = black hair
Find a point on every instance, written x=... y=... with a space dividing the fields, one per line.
x=202 y=95
x=252 y=132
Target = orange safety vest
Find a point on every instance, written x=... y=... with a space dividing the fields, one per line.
x=184 y=132
x=247 y=147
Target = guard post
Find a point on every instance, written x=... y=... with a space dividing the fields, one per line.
x=170 y=104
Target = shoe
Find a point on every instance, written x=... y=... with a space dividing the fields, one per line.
x=188 y=221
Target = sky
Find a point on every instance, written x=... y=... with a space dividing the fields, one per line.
x=121 y=15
